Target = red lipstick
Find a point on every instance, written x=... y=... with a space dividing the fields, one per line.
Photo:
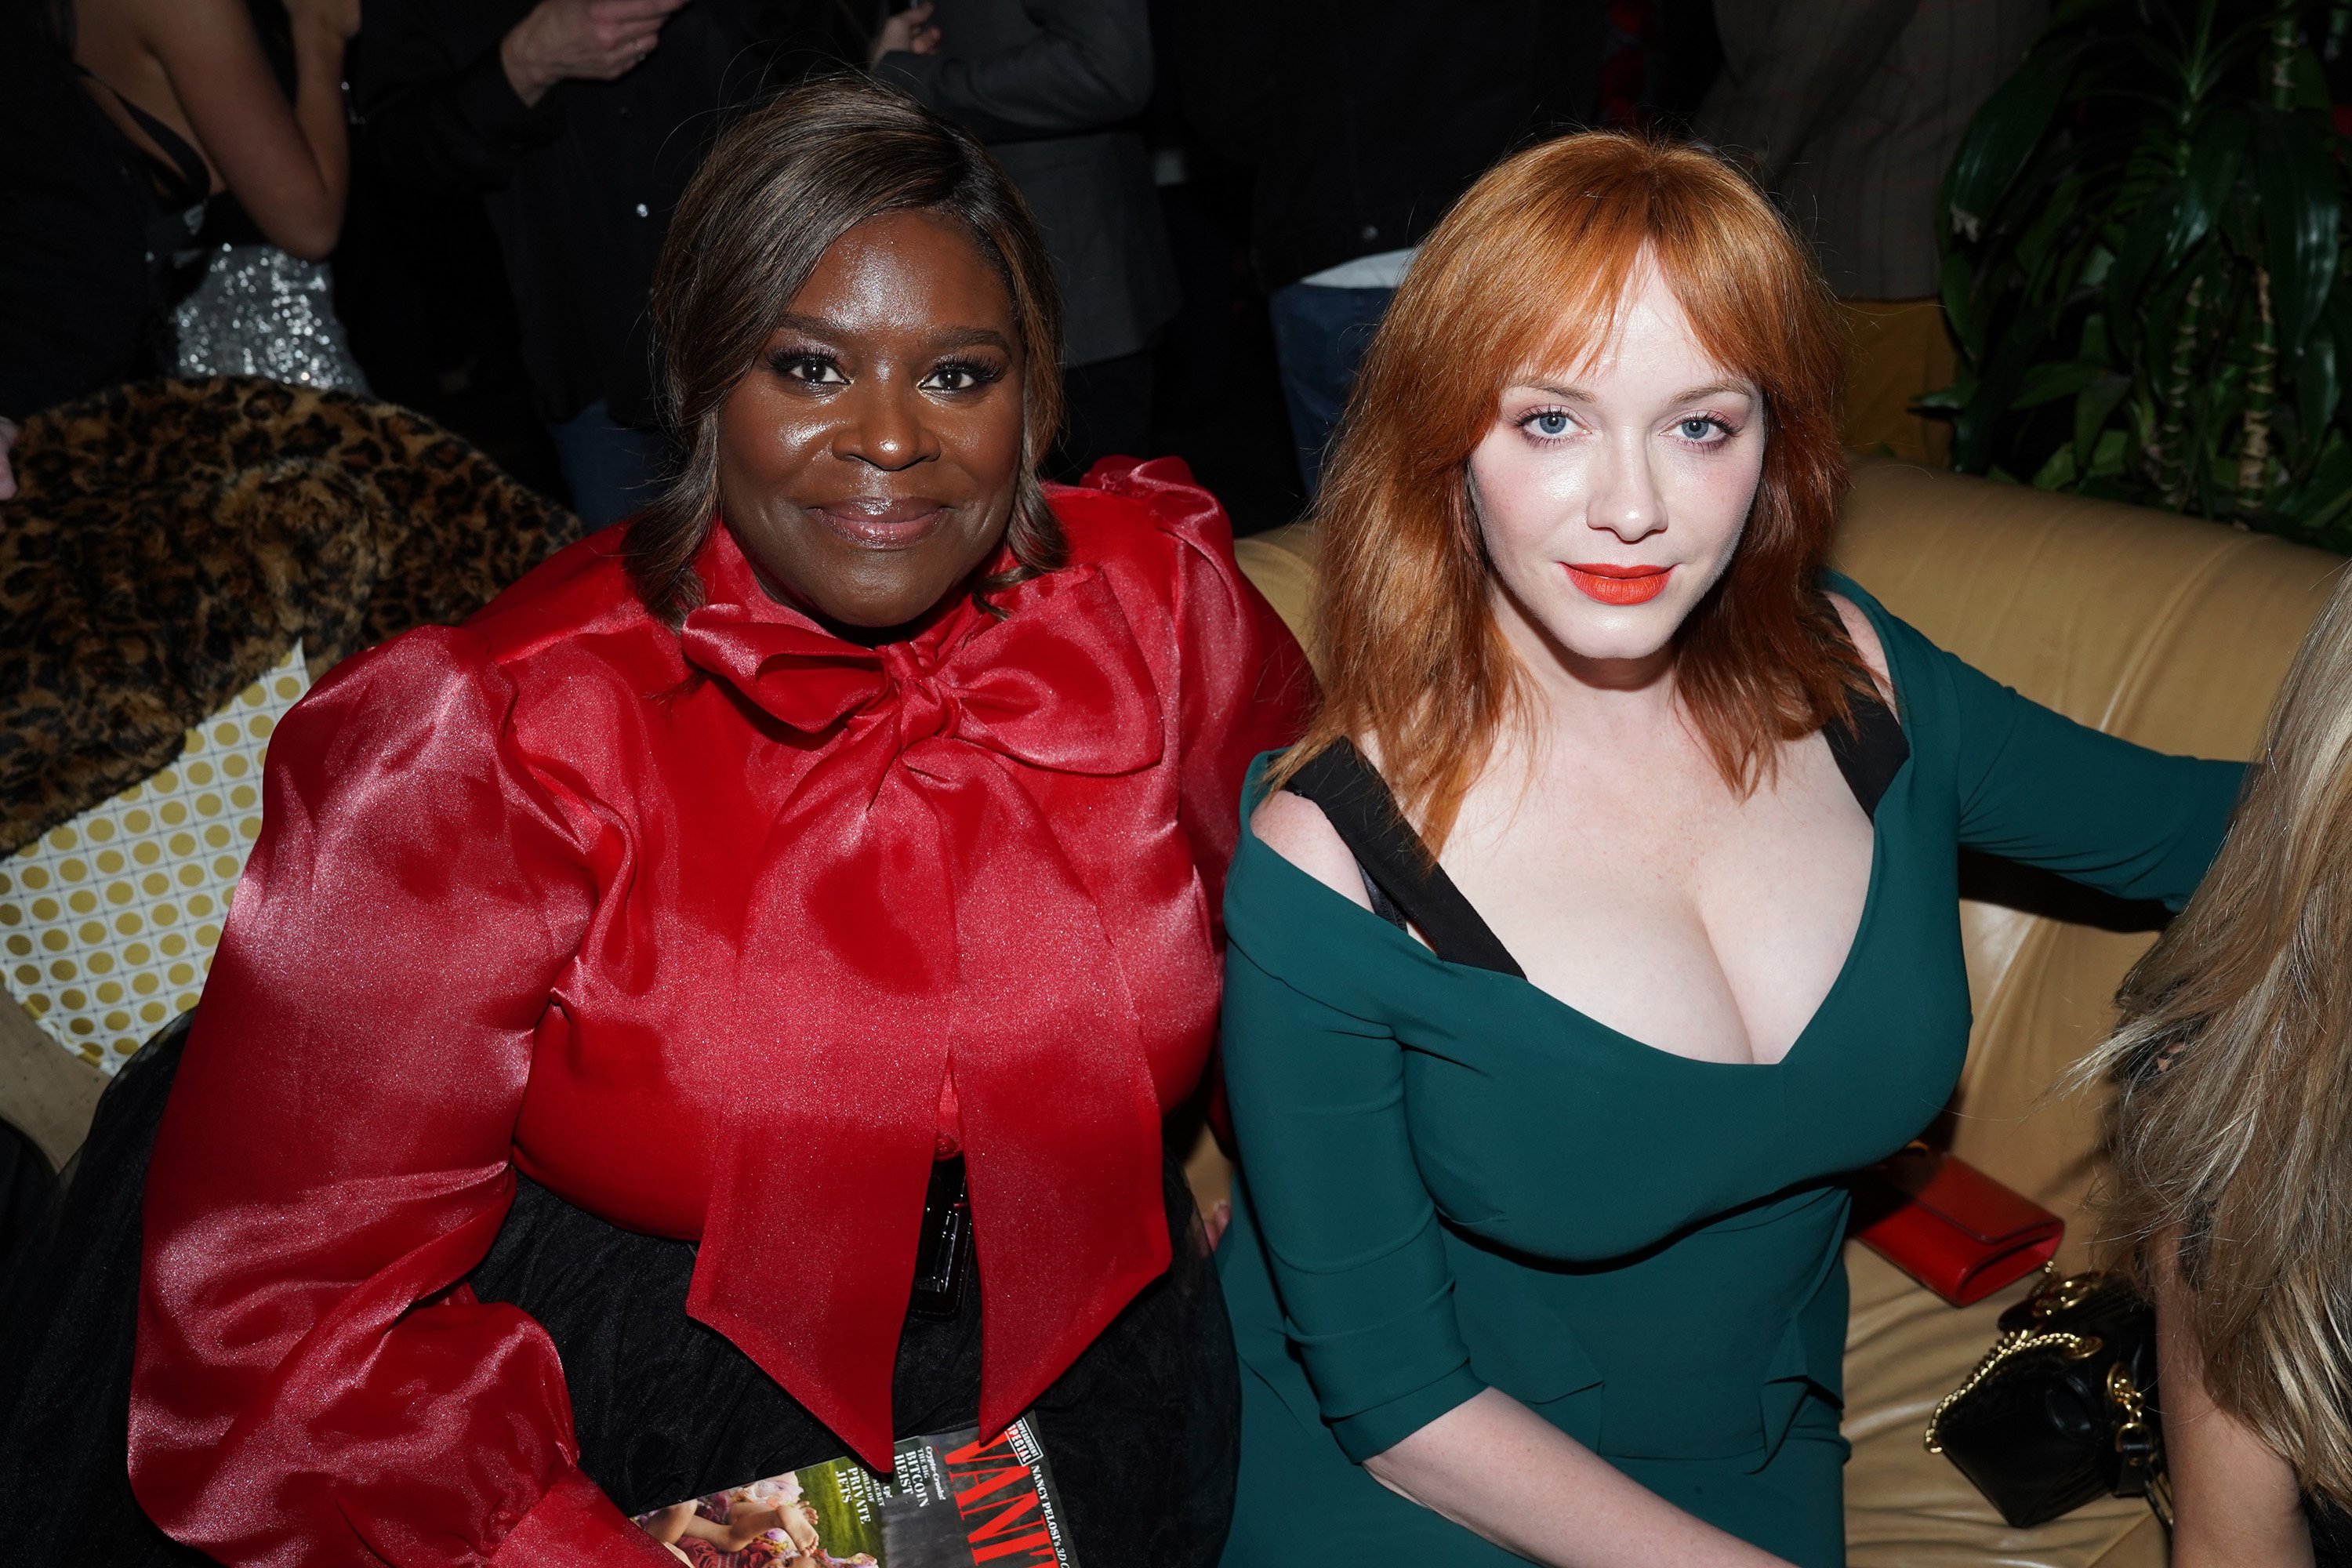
x=1619 y=585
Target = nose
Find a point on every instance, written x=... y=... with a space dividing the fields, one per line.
x=885 y=425
x=1626 y=500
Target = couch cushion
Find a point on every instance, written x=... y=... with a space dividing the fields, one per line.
x=2164 y=630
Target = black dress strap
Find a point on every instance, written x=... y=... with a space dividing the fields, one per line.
x=1406 y=884
x=1870 y=748
x=1408 y=888
x=184 y=186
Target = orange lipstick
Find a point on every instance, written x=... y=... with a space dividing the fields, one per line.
x=1619 y=585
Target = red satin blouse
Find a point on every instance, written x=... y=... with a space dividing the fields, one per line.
x=702 y=930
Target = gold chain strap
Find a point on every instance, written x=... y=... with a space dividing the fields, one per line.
x=2007 y=1349
x=2052 y=1295
x=2137 y=1444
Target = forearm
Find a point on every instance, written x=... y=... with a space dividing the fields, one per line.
x=319 y=111
x=2235 y=1502
x=529 y=75
x=1495 y=1468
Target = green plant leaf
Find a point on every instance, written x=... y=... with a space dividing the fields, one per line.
x=2310 y=80
x=2050 y=382
x=2058 y=473
x=2213 y=161
x=2315 y=387
x=2302 y=206
x=2003 y=135
x=2141 y=254
x=1960 y=308
x=2093 y=406
x=2108 y=459
x=2034 y=251
x=2319 y=501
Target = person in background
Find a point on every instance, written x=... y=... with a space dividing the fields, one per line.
x=2231 y=1179
x=1365 y=119
x=245 y=96
x=1850 y=111
x=200 y=131
x=1054 y=87
x=580 y=123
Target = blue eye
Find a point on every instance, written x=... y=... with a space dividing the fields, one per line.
x=1697 y=429
x=1548 y=423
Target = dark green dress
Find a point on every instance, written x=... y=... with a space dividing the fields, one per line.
x=1451 y=1181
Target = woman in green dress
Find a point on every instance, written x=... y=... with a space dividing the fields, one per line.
x=1606 y=918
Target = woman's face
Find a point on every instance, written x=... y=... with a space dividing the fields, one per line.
x=866 y=464
x=1613 y=497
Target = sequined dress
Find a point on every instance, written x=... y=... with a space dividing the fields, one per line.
x=260 y=311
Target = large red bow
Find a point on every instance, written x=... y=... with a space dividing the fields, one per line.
x=918 y=908
x=1059 y=684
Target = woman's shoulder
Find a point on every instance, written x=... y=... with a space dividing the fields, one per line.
x=1298 y=830
x=1913 y=671
x=1863 y=632
x=573 y=617
x=1127 y=512
x=1296 y=908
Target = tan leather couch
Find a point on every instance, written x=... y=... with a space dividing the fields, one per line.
x=2168 y=632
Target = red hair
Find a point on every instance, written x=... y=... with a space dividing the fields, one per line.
x=1527 y=273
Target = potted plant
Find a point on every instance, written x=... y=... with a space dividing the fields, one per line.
x=2143 y=265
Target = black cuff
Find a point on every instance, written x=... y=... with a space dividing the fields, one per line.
x=487 y=102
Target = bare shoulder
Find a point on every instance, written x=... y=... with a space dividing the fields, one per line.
x=1295 y=829
x=1865 y=638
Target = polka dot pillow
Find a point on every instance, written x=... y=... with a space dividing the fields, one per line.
x=109 y=922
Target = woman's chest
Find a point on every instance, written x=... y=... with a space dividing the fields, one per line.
x=1659 y=901
x=1545 y=1129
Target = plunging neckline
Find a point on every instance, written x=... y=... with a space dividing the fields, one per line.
x=1871 y=789
x=1862 y=933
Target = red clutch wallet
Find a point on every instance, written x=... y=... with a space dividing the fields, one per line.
x=1950 y=1226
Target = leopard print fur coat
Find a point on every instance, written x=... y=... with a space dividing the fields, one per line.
x=170 y=541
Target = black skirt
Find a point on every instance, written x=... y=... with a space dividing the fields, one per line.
x=1141 y=1433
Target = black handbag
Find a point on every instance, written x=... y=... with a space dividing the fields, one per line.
x=2062 y=1409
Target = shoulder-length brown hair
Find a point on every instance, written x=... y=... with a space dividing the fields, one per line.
x=780 y=186
x=2231 y=1136
x=1527 y=274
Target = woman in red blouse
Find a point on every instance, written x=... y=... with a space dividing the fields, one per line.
x=865 y=811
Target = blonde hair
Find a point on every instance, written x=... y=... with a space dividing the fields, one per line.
x=2231 y=1128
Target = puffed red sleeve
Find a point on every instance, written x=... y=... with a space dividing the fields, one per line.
x=308 y=1388
x=1244 y=683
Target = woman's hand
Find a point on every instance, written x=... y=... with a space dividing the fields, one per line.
x=908 y=33
x=580 y=41
x=8 y=428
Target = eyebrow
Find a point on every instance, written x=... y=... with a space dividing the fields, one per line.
x=946 y=338
x=1689 y=395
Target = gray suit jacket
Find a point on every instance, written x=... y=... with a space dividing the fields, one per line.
x=1853 y=109
x=1052 y=86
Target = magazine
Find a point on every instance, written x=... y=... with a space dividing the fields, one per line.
x=953 y=1502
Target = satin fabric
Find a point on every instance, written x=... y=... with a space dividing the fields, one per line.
x=700 y=927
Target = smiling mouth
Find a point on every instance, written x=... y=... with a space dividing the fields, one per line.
x=1617 y=585
x=878 y=524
